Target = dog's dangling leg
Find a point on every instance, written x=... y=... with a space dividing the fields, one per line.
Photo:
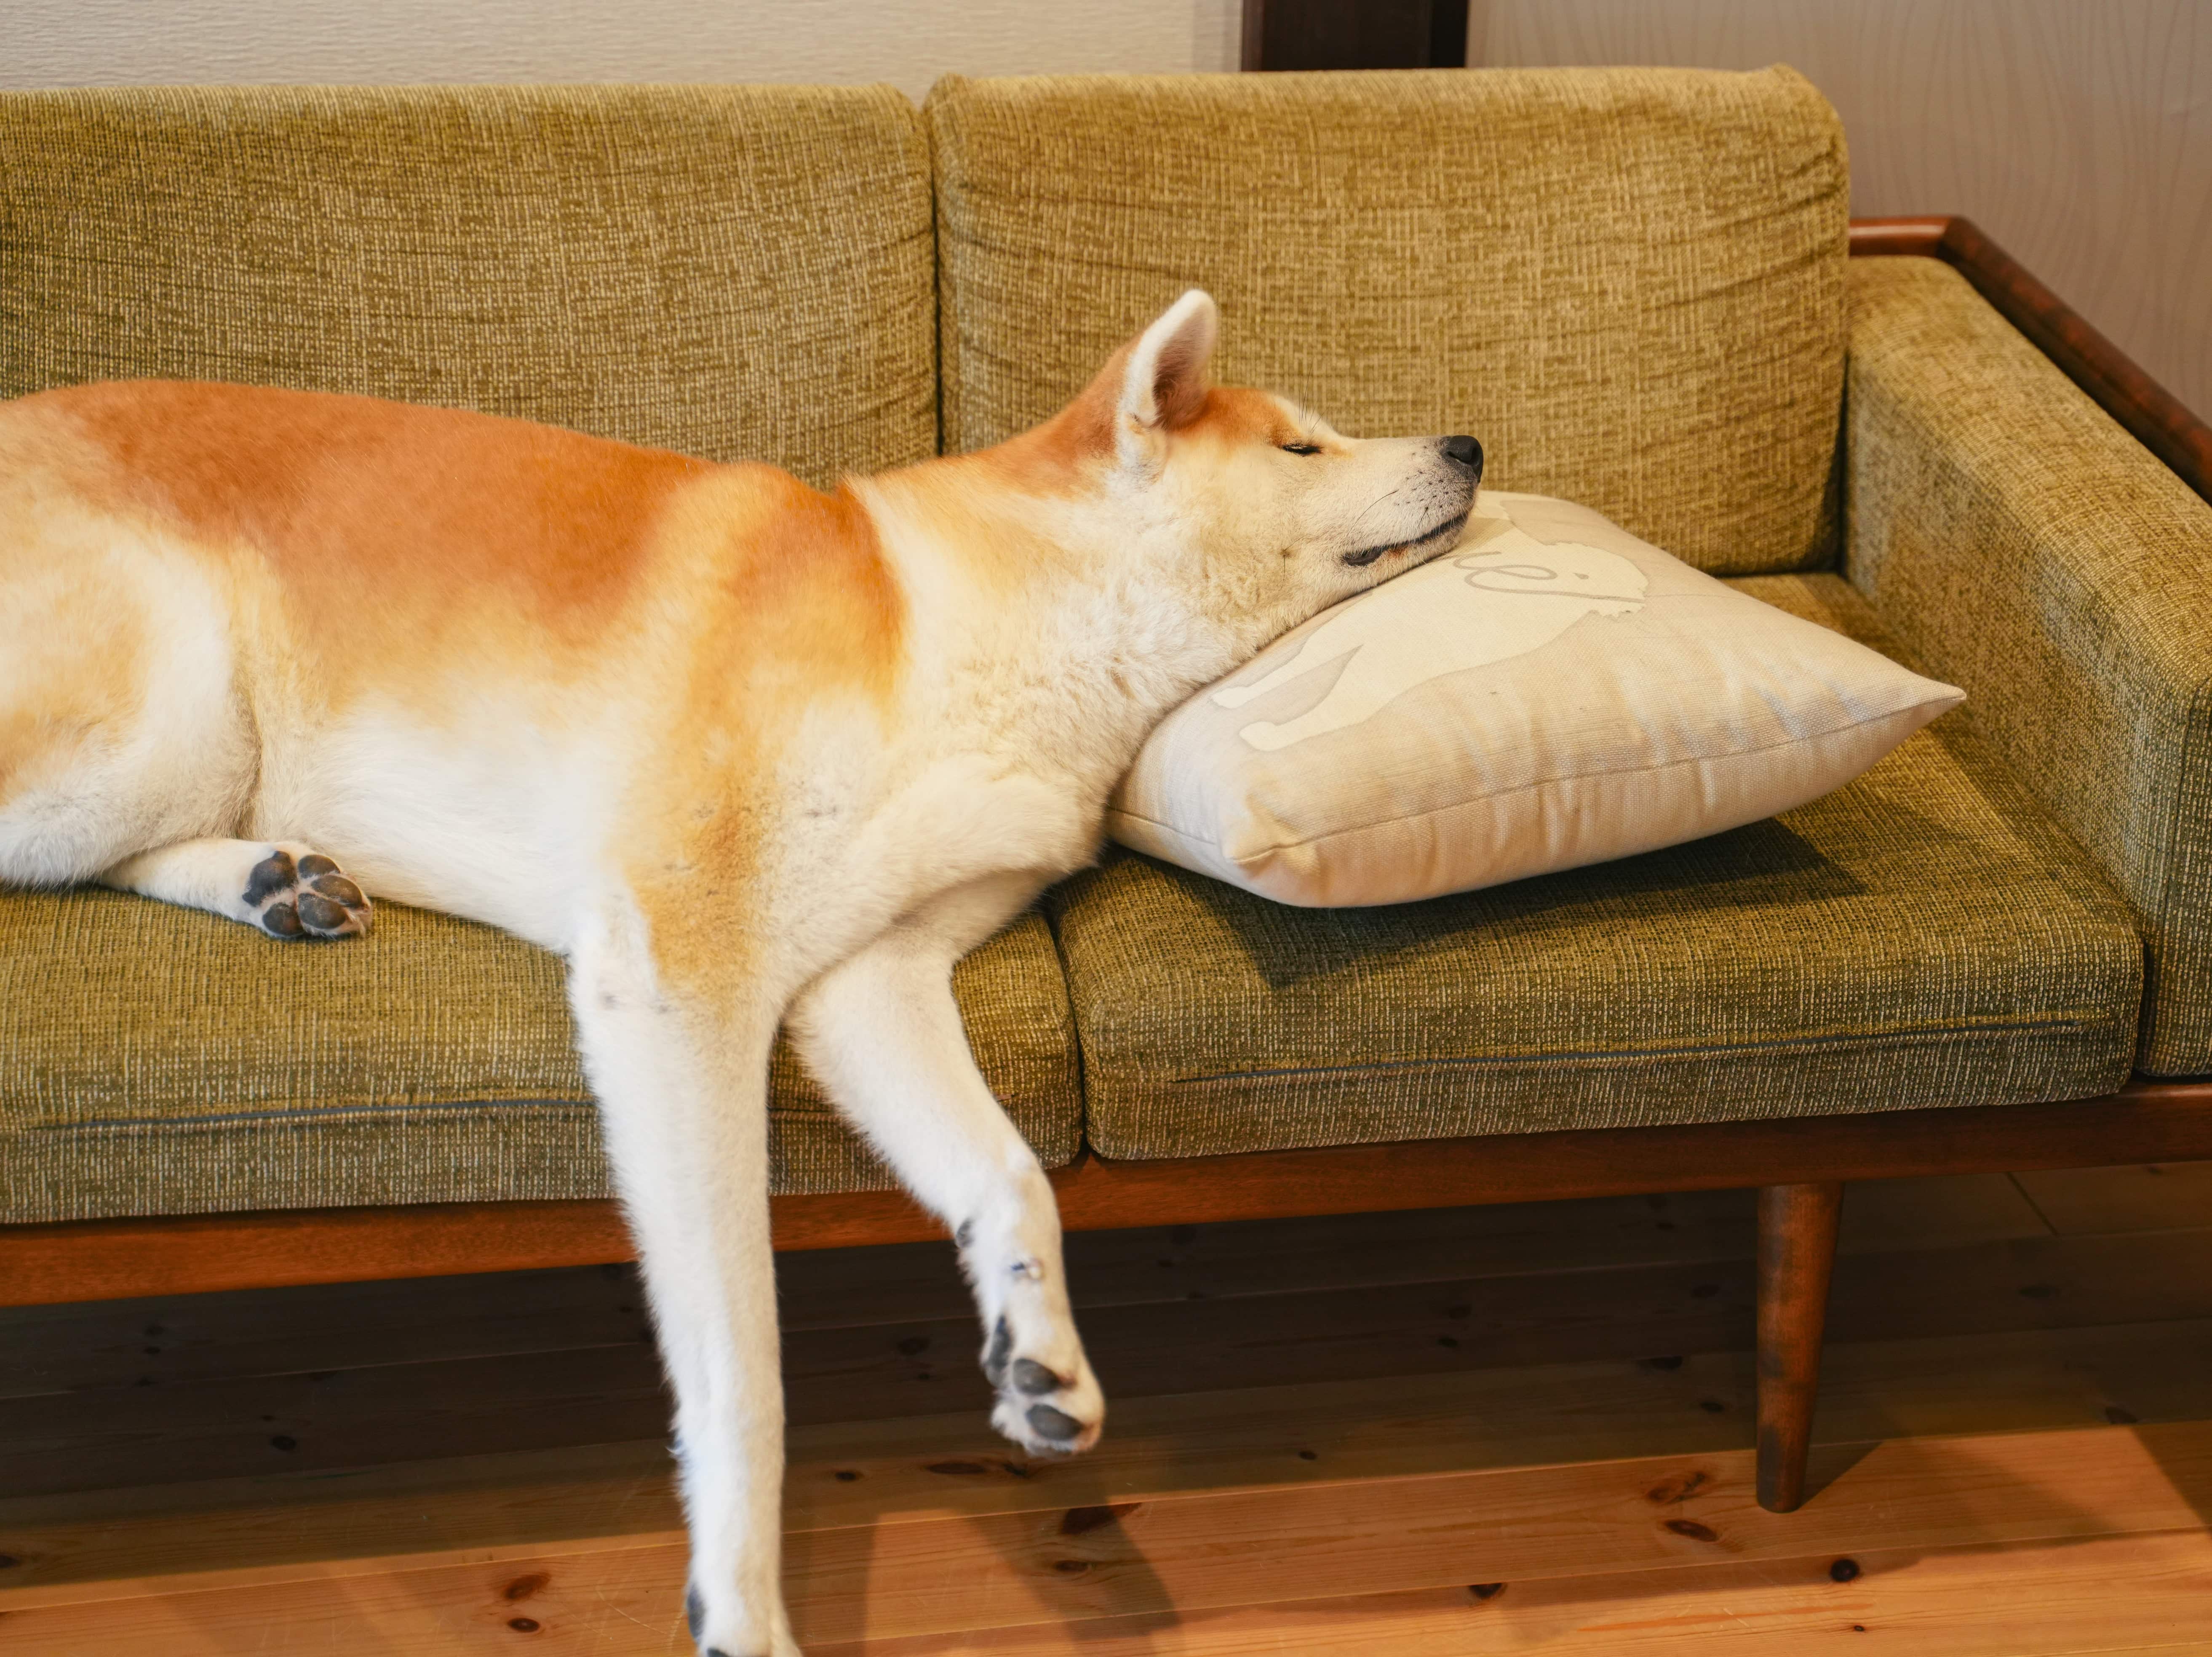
x=883 y=1033
x=681 y=1075
x=288 y=891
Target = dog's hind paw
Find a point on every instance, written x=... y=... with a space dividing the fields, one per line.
x=304 y=895
x=1047 y=1411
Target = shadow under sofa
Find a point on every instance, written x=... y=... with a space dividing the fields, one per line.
x=1988 y=955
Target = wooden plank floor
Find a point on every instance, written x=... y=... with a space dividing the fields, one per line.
x=1502 y=1430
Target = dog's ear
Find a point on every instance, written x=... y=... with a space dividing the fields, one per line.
x=1163 y=384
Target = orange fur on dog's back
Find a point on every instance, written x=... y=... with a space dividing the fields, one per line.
x=800 y=615
x=404 y=539
x=384 y=517
x=802 y=578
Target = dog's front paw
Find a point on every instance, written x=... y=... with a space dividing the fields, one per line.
x=307 y=895
x=1048 y=1411
x=777 y=1642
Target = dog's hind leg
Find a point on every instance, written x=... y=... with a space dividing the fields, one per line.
x=882 y=1032
x=679 y=1064
x=124 y=725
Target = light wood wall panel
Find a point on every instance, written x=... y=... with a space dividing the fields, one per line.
x=2078 y=133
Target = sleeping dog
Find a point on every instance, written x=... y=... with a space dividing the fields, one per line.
x=743 y=752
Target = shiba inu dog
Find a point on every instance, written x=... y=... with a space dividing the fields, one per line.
x=742 y=751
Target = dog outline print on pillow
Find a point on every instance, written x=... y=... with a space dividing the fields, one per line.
x=1503 y=594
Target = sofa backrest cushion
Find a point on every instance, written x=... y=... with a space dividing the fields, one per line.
x=1628 y=284
x=732 y=271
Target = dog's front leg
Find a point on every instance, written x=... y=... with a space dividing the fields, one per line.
x=677 y=1056
x=882 y=1032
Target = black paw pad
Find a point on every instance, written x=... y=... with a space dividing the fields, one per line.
x=1002 y=1348
x=1048 y=1422
x=272 y=875
x=282 y=919
x=1032 y=1377
x=695 y=1611
x=316 y=864
x=337 y=887
x=320 y=913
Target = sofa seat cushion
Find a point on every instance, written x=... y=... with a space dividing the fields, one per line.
x=1925 y=936
x=156 y=1060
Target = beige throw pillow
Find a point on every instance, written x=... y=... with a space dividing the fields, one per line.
x=1553 y=692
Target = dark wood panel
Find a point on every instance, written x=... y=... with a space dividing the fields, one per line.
x=1877 y=238
x=1653 y=1317
x=1325 y=35
x=194 y=1337
x=2152 y=414
x=2146 y=1122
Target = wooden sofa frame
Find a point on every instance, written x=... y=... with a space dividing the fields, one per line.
x=1799 y=1164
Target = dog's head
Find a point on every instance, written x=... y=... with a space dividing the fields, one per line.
x=1271 y=511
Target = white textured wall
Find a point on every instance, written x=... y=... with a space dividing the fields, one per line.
x=2078 y=133
x=909 y=43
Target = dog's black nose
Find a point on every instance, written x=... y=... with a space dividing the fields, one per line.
x=1465 y=451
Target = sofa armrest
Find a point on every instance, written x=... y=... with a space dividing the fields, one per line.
x=2020 y=545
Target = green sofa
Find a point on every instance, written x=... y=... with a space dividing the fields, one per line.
x=1633 y=285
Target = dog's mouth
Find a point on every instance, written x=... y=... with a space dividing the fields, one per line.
x=1450 y=526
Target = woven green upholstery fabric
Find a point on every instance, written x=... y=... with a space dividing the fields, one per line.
x=156 y=1060
x=1925 y=936
x=1628 y=284
x=2019 y=543
x=736 y=272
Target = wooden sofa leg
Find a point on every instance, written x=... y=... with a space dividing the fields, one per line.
x=1797 y=1255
